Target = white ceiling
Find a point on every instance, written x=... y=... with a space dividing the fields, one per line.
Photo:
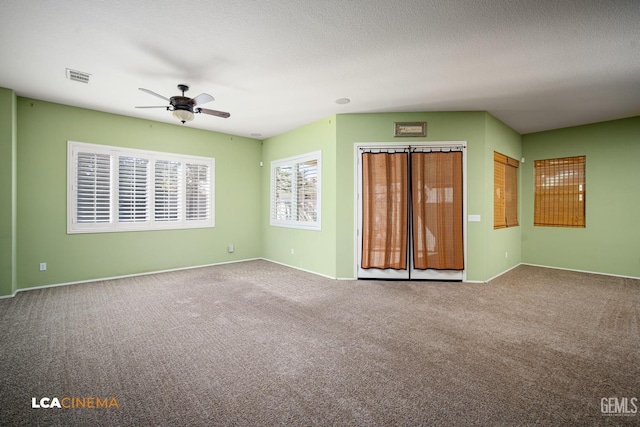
x=278 y=64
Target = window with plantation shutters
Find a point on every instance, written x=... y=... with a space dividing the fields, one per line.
x=116 y=189
x=295 y=192
x=560 y=192
x=505 y=191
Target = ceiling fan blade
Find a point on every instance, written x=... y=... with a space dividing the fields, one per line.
x=154 y=106
x=213 y=112
x=203 y=98
x=150 y=92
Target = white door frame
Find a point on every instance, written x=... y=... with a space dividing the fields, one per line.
x=409 y=273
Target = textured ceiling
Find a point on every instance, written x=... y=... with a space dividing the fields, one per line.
x=277 y=65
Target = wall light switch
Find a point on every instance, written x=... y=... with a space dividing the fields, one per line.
x=474 y=218
x=43 y=266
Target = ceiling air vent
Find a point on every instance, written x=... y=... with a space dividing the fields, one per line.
x=78 y=76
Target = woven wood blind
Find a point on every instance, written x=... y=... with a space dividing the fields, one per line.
x=436 y=182
x=560 y=192
x=385 y=210
x=505 y=191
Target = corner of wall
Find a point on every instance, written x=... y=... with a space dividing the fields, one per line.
x=610 y=242
x=8 y=192
x=503 y=247
x=299 y=248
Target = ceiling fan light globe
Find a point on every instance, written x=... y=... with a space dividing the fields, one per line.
x=183 y=115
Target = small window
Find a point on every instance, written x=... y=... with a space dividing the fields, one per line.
x=560 y=192
x=118 y=189
x=505 y=191
x=295 y=192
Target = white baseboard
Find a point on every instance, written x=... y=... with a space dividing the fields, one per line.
x=498 y=275
x=303 y=269
x=555 y=268
x=582 y=271
x=290 y=266
x=146 y=273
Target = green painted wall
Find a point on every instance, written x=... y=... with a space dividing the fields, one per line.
x=44 y=129
x=312 y=250
x=33 y=185
x=332 y=251
x=610 y=242
x=8 y=192
x=444 y=126
x=504 y=245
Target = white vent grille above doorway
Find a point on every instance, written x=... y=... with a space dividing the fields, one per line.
x=78 y=76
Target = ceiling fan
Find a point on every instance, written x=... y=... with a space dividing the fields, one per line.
x=184 y=107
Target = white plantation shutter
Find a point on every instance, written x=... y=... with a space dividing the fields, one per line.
x=295 y=191
x=307 y=191
x=167 y=190
x=133 y=189
x=93 y=188
x=114 y=189
x=198 y=192
x=283 y=193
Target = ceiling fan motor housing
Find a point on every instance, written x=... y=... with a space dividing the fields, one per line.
x=181 y=103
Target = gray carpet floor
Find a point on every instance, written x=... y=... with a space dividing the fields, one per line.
x=260 y=344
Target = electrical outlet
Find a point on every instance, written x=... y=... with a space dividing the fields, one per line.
x=292 y=251
x=43 y=266
x=230 y=248
x=506 y=254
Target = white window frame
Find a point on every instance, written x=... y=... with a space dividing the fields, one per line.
x=113 y=224
x=293 y=162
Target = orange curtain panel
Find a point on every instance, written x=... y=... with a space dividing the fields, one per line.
x=436 y=182
x=385 y=192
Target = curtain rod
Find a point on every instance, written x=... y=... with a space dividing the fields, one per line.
x=442 y=149
x=412 y=149
x=378 y=150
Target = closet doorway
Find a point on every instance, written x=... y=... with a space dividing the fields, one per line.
x=411 y=205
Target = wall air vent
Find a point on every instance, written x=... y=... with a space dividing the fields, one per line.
x=78 y=76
